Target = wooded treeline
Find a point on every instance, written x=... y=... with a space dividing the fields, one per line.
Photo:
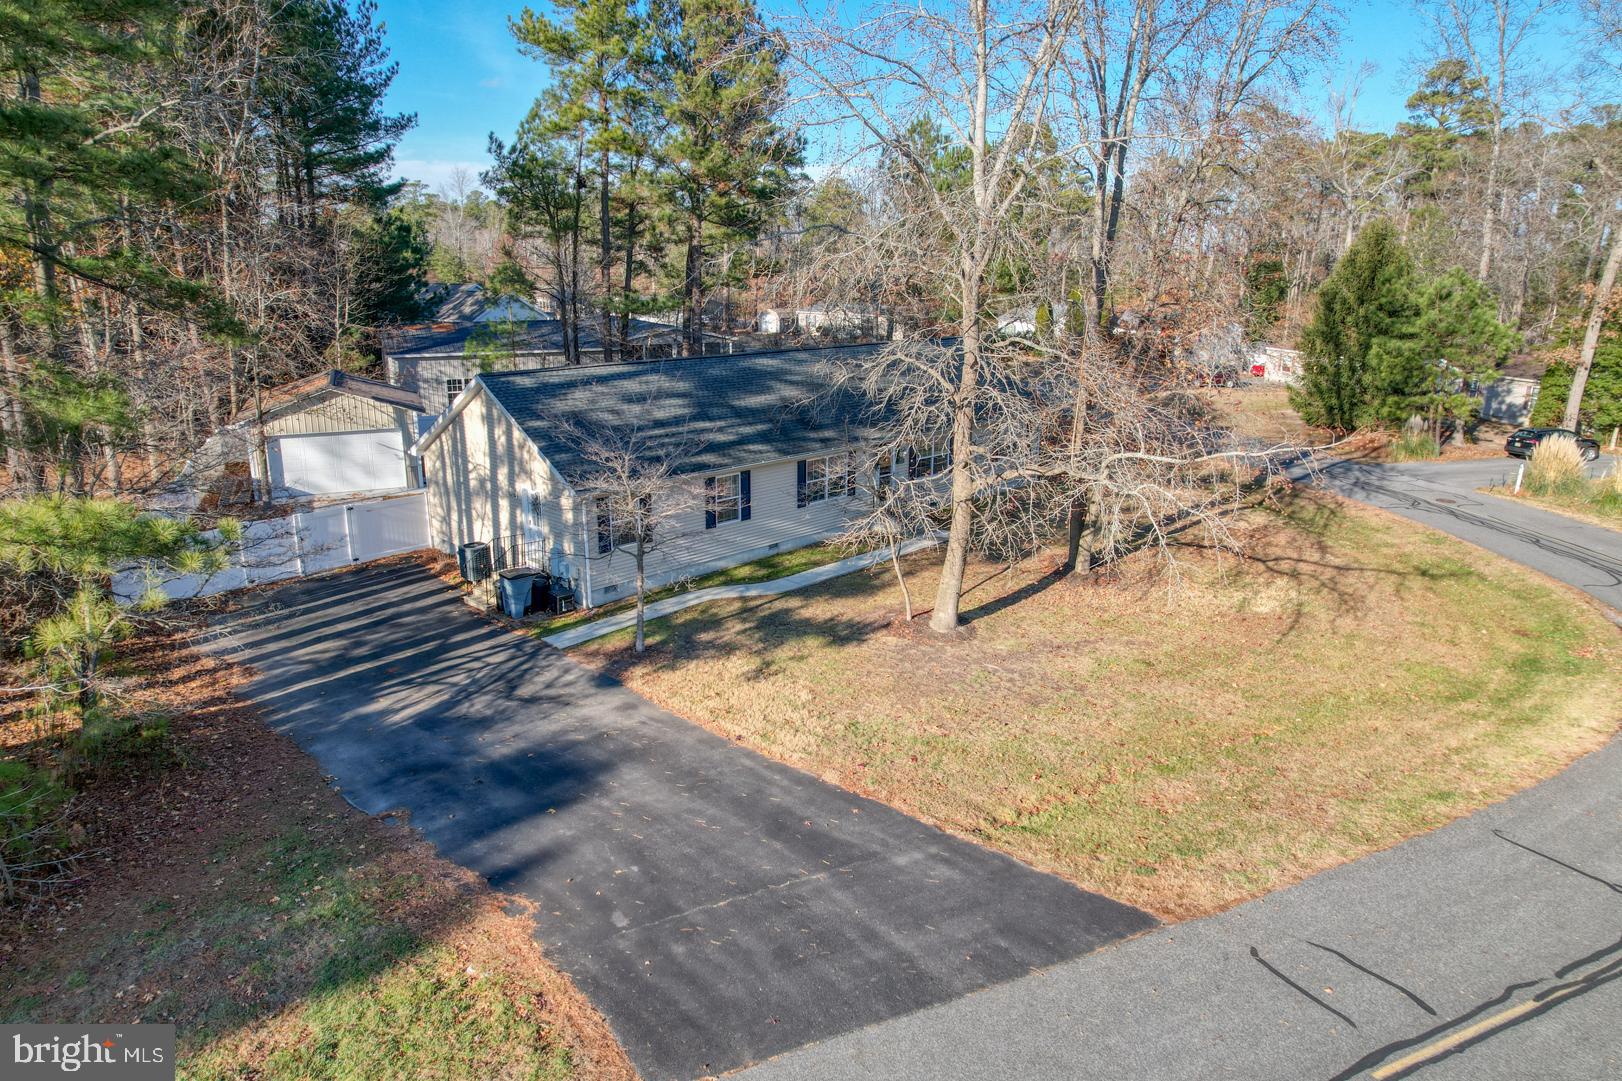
x=196 y=205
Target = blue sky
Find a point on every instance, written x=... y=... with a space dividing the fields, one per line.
x=461 y=73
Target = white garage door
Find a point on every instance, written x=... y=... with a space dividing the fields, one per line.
x=333 y=463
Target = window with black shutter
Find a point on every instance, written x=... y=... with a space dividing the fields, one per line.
x=724 y=499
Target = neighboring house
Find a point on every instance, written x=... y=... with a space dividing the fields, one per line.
x=440 y=360
x=330 y=434
x=840 y=319
x=654 y=340
x=1275 y=364
x=769 y=469
x=826 y=320
x=1023 y=322
x=470 y=302
x=1511 y=396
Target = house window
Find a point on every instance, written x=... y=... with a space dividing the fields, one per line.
x=616 y=530
x=930 y=458
x=885 y=471
x=827 y=478
x=454 y=387
x=725 y=499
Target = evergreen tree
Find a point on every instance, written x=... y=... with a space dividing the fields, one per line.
x=1601 y=409
x=80 y=147
x=1369 y=299
x=334 y=142
x=69 y=549
x=1449 y=107
x=388 y=253
x=538 y=179
x=600 y=54
x=1266 y=289
x=725 y=159
x=1455 y=347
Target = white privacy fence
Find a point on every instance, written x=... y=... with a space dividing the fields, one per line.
x=307 y=542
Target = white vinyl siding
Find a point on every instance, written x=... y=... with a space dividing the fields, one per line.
x=333 y=412
x=775 y=524
x=486 y=480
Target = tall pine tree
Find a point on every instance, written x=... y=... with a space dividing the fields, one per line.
x=600 y=54
x=725 y=159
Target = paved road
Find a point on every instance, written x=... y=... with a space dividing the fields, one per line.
x=718 y=907
x=1445 y=495
x=1440 y=948
x=1453 y=936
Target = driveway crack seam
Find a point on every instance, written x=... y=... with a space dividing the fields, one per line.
x=752 y=893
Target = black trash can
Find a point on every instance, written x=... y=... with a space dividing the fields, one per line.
x=473 y=560
x=540 y=597
x=517 y=587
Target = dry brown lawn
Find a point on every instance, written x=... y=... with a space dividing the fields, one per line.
x=226 y=888
x=1355 y=680
x=1262 y=412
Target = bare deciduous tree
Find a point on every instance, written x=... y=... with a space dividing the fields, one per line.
x=637 y=489
x=1492 y=37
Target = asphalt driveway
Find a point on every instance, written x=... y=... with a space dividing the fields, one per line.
x=718 y=907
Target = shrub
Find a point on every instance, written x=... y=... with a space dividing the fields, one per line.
x=33 y=838
x=1607 y=491
x=1556 y=467
x=109 y=742
x=1415 y=447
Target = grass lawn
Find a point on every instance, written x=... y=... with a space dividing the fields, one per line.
x=1355 y=680
x=1598 y=502
x=780 y=565
x=1262 y=411
x=230 y=891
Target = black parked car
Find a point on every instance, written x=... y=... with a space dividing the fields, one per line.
x=1525 y=441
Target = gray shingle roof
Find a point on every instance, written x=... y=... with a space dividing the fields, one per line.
x=444 y=339
x=732 y=409
x=288 y=396
x=463 y=302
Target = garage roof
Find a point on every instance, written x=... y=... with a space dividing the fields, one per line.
x=290 y=395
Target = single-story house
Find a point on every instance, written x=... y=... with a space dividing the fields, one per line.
x=768 y=462
x=828 y=320
x=332 y=433
x=1511 y=396
x=438 y=361
x=470 y=302
x=653 y=340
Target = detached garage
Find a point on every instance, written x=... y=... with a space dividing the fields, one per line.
x=333 y=434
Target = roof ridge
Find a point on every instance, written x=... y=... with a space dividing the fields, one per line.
x=643 y=365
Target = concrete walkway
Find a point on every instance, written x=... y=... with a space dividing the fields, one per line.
x=585 y=632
